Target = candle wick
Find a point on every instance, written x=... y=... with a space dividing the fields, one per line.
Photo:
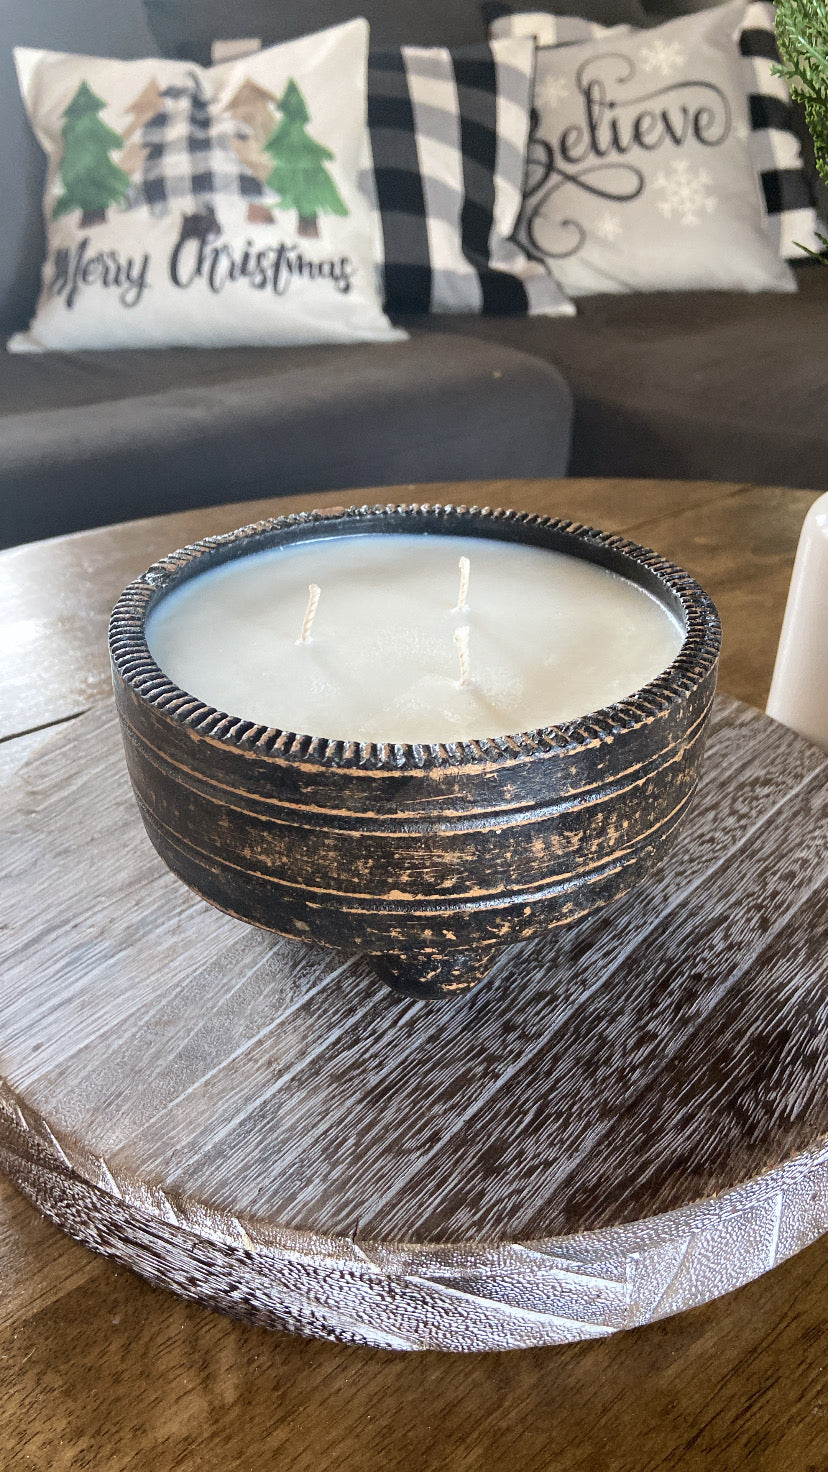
x=461 y=639
x=310 y=612
x=463 y=595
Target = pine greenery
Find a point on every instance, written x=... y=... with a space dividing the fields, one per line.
x=802 y=37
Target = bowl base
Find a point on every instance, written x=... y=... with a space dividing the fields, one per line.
x=427 y=973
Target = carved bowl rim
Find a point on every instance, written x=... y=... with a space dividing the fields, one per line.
x=136 y=667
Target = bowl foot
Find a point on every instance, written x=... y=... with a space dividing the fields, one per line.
x=425 y=973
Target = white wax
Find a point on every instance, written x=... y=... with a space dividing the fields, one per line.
x=551 y=637
x=799 y=691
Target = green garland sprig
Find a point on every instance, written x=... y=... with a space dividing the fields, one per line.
x=802 y=36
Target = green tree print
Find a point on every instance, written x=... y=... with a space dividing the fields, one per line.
x=91 y=181
x=299 y=176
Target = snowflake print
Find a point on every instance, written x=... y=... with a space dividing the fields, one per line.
x=608 y=227
x=664 y=57
x=552 y=91
x=686 y=196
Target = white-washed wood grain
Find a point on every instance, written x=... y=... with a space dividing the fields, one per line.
x=628 y=1117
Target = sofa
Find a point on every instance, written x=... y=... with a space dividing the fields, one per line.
x=699 y=385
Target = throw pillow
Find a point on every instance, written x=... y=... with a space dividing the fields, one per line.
x=94 y=26
x=640 y=174
x=196 y=207
x=776 y=140
x=448 y=139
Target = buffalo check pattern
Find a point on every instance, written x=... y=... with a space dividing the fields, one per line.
x=448 y=133
x=189 y=155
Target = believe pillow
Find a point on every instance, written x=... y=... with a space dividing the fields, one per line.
x=775 y=131
x=205 y=207
x=640 y=173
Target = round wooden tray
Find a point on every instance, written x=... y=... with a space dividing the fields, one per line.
x=627 y=1118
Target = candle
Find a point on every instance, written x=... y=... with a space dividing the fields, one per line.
x=542 y=637
x=799 y=692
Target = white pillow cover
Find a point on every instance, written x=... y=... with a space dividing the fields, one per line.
x=640 y=173
x=205 y=207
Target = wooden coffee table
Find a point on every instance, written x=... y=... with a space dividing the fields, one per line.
x=97 y=1369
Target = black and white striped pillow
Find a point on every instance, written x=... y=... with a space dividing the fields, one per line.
x=774 y=142
x=449 y=131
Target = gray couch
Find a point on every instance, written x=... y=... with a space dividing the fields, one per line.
x=686 y=385
x=89 y=438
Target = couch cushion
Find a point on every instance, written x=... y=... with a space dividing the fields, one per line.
x=89 y=27
x=189 y=27
x=703 y=385
x=160 y=431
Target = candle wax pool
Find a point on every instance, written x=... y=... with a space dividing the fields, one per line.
x=550 y=638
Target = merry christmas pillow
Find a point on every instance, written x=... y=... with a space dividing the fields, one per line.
x=640 y=173
x=205 y=207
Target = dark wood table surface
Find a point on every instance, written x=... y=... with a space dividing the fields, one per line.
x=99 y=1370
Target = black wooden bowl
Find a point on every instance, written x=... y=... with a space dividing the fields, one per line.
x=430 y=858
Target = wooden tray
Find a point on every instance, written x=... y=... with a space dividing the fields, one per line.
x=264 y=1128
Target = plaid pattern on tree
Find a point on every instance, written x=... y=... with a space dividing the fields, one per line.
x=190 y=155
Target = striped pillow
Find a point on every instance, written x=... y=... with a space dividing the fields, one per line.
x=775 y=144
x=449 y=132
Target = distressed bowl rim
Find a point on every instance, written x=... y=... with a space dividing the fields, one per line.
x=136 y=667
